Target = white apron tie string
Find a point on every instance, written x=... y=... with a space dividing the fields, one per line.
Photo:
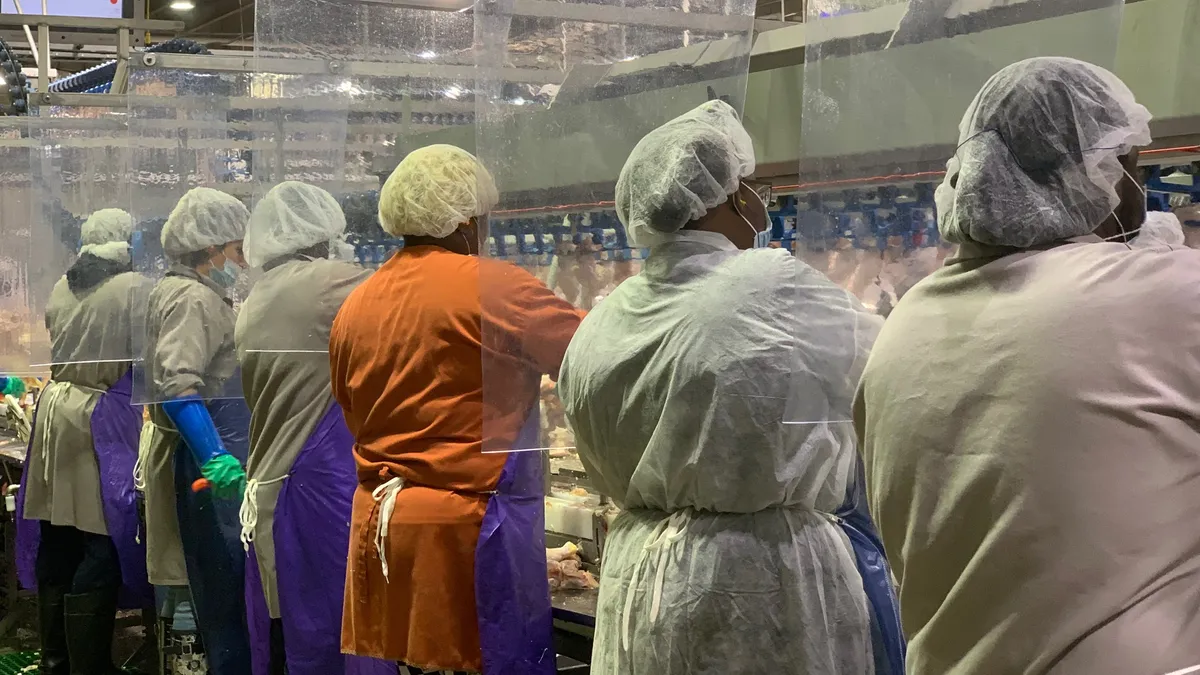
x=248 y=514
x=145 y=444
x=385 y=496
x=660 y=541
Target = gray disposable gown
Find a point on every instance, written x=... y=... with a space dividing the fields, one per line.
x=1033 y=461
x=90 y=334
x=724 y=561
x=189 y=347
x=282 y=341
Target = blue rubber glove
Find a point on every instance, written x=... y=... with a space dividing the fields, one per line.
x=195 y=425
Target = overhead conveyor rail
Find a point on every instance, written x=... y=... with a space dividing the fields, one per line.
x=123 y=28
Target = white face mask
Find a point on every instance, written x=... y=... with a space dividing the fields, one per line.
x=1125 y=235
x=762 y=238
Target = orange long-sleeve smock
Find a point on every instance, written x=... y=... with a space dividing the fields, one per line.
x=407 y=359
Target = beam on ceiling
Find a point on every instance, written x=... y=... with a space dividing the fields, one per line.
x=88 y=23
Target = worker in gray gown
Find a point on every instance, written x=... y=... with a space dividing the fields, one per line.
x=201 y=424
x=77 y=530
x=296 y=510
x=1029 y=411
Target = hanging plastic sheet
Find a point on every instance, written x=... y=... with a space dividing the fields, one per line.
x=567 y=90
x=390 y=79
x=85 y=296
x=191 y=161
x=884 y=91
x=82 y=280
x=885 y=88
x=17 y=308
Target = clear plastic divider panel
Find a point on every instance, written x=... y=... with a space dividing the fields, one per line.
x=395 y=78
x=566 y=90
x=22 y=333
x=194 y=147
x=81 y=276
x=886 y=84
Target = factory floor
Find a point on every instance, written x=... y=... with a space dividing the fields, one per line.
x=23 y=636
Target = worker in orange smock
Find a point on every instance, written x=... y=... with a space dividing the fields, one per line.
x=447 y=551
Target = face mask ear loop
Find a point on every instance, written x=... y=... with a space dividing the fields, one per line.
x=1128 y=236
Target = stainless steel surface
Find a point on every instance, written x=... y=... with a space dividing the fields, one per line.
x=12 y=449
x=578 y=607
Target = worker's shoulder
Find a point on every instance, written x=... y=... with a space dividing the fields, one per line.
x=1170 y=274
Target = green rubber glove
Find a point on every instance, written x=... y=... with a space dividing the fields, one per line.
x=226 y=475
x=12 y=386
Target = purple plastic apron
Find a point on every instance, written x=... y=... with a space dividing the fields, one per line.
x=115 y=426
x=512 y=594
x=312 y=537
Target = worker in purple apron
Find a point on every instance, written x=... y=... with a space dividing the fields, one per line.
x=447 y=568
x=200 y=423
x=295 y=517
x=77 y=520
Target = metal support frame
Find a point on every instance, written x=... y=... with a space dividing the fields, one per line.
x=86 y=23
x=123 y=29
x=302 y=66
x=43 y=62
x=121 y=76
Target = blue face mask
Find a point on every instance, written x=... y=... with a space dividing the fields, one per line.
x=762 y=239
x=226 y=277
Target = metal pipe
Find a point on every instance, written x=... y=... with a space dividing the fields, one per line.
x=29 y=36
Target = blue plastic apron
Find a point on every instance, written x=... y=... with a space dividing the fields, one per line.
x=212 y=547
x=512 y=594
x=114 y=425
x=887 y=636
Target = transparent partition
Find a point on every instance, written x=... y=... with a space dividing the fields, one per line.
x=18 y=314
x=566 y=91
x=373 y=82
x=81 y=273
x=189 y=128
x=885 y=87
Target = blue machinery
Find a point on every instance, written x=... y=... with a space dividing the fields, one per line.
x=875 y=218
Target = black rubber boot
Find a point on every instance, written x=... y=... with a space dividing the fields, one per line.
x=52 y=631
x=91 y=620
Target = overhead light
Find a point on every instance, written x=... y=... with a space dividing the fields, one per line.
x=519 y=100
x=453 y=91
x=427 y=54
x=183 y=5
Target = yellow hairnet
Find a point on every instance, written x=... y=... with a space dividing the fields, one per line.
x=433 y=191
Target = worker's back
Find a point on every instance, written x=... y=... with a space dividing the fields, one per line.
x=1033 y=461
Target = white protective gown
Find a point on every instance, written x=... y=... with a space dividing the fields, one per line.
x=676 y=387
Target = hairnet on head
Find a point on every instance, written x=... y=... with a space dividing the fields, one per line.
x=433 y=191
x=204 y=217
x=1161 y=229
x=1038 y=155
x=291 y=217
x=106 y=233
x=679 y=171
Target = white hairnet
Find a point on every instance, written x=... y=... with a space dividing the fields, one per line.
x=203 y=217
x=433 y=191
x=1160 y=229
x=679 y=171
x=1038 y=155
x=291 y=217
x=105 y=234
